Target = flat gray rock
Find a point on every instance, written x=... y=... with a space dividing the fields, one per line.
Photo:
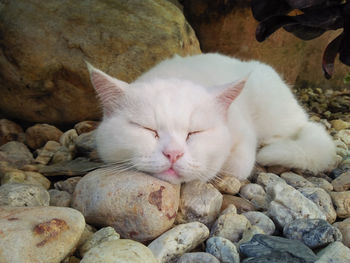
x=223 y=249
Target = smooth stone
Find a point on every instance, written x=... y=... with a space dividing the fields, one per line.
x=274 y=257
x=102 y=235
x=230 y=226
x=39 y=234
x=256 y=194
x=230 y=209
x=180 y=239
x=68 y=185
x=289 y=204
x=86 y=143
x=341 y=201
x=277 y=169
x=197 y=257
x=63 y=154
x=264 y=246
x=264 y=179
x=25 y=177
x=323 y=201
x=249 y=233
x=340 y=124
x=344 y=227
x=344 y=135
x=223 y=249
x=59 y=198
x=261 y=220
x=87 y=234
x=78 y=166
x=47 y=152
x=85 y=126
x=14 y=194
x=314 y=233
x=321 y=183
x=16 y=154
x=342 y=182
x=241 y=204
x=296 y=180
x=68 y=139
x=121 y=251
x=199 y=201
x=136 y=205
x=9 y=131
x=39 y=134
x=227 y=184
x=334 y=253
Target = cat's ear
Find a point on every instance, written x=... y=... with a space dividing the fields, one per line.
x=108 y=89
x=228 y=93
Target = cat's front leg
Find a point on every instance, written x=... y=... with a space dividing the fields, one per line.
x=241 y=160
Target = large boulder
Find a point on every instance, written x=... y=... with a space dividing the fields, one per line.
x=43 y=46
x=228 y=27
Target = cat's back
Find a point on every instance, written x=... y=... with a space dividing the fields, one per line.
x=205 y=69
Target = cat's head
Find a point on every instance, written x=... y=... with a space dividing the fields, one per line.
x=172 y=129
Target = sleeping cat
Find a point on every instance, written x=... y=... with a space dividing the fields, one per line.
x=200 y=116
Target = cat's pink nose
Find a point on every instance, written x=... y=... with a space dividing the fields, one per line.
x=173 y=156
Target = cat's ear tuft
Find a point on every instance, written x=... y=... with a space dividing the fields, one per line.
x=108 y=89
x=229 y=92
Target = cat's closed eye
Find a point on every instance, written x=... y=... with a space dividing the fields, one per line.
x=192 y=133
x=155 y=133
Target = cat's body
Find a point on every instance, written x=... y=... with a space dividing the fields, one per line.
x=202 y=123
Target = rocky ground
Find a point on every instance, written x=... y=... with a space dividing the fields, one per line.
x=60 y=204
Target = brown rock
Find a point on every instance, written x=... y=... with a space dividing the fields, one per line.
x=344 y=227
x=241 y=204
x=342 y=182
x=85 y=126
x=16 y=154
x=229 y=27
x=9 y=131
x=44 y=48
x=39 y=134
x=341 y=200
x=228 y=184
x=137 y=205
x=47 y=152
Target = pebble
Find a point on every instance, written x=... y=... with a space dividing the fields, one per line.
x=277 y=169
x=264 y=179
x=344 y=135
x=344 y=227
x=68 y=185
x=295 y=180
x=264 y=248
x=121 y=251
x=241 y=204
x=25 y=177
x=43 y=234
x=10 y=131
x=289 y=204
x=249 y=233
x=86 y=143
x=223 y=249
x=256 y=194
x=199 y=201
x=323 y=201
x=341 y=201
x=39 y=134
x=47 y=152
x=85 y=126
x=14 y=194
x=342 y=182
x=59 y=198
x=137 y=205
x=78 y=166
x=314 y=233
x=230 y=226
x=16 y=153
x=197 y=257
x=68 y=139
x=334 y=253
x=180 y=239
x=340 y=124
x=62 y=155
x=261 y=220
x=102 y=235
x=228 y=184
x=320 y=183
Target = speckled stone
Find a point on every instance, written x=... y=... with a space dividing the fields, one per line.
x=227 y=184
x=223 y=249
x=261 y=220
x=314 y=233
x=265 y=179
x=240 y=203
x=59 y=198
x=197 y=257
x=334 y=253
x=264 y=247
x=341 y=200
x=321 y=183
x=16 y=154
x=342 y=182
x=344 y=227
x=295 y=180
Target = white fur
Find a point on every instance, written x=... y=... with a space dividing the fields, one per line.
x=183 y=95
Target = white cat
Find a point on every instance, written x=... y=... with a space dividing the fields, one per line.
x=196 y=117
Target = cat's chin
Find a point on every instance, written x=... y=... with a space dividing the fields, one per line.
x=170 y=176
